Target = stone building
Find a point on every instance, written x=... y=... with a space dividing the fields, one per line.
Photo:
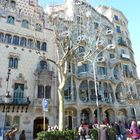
x=27 y=38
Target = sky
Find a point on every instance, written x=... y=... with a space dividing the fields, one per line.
x=131 y=10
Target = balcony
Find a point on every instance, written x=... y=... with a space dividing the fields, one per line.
x=15 y=103
x=125 y=56
x=122 y=43
x=85 y=74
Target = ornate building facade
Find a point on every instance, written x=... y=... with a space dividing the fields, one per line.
x=27 y=38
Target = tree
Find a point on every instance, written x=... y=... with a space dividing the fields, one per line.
x=71 y=38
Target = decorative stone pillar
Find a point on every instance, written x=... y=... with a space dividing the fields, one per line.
x=79 y=117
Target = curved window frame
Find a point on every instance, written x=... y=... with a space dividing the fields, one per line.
x=44 y=46
x=30 y=43
x=8 y=38
x=25 y=24
x=16 y=40
x=13 y=62
x=11 y=20
x=23 y=42
x=1 y=37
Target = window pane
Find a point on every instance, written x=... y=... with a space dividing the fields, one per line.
x=25 y=24
x=18 y=93
x=16 y=40
x=15 y=64
x=10 y=62
x=48 y=92
x=23 y=42
x=10 y=20
x=8 y=38
x=44 y=46
x=1 y=37
x=40 y=91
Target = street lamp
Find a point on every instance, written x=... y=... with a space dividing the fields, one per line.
x=108 y=47
x=7 y=99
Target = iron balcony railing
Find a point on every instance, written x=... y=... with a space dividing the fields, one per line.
x=14 y=100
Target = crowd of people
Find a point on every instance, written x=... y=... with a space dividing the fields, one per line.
x=123 y=130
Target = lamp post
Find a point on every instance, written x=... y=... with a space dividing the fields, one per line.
x=7 y=99
x=108 y=47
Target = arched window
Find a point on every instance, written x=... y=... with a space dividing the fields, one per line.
x=8 y=38
x=30 y=43
x=70 y=90
x=25 y=24
x=23 y=42
x=16 y=40
x=38 y=45
x=44 y=46
x=40 y=91
x=10 y=20
x=38 y=27
x=1 y=37
x=120 y=92
x=13 y=62
x=48 y=92
x=83 y=91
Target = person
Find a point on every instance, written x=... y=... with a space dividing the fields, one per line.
x=134 y=131
x=103 y=132
x=22 y=136
x=122 y=130
x=7 y=135
x=13 y=133
x=118 y=132
x=81 y=132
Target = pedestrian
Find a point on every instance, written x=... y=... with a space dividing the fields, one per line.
x=118 y=133
x=134 y=131
x=22 y=136
x=13 y=133
x=122 y=130
x=103 y=131
x=81 y=132
x=7 y=135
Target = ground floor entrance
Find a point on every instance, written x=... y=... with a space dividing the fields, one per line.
x=38 y=125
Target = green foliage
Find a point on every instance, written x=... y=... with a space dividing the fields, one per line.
x=93 y=133
x=57 y=135
x=112 y=133
x=72 y=134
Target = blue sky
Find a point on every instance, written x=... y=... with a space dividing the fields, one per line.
x=131 y=9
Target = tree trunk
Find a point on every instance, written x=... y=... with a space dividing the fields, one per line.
x=61 y=108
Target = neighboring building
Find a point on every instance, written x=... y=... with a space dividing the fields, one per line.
x=26 y=38
x=126 y=63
